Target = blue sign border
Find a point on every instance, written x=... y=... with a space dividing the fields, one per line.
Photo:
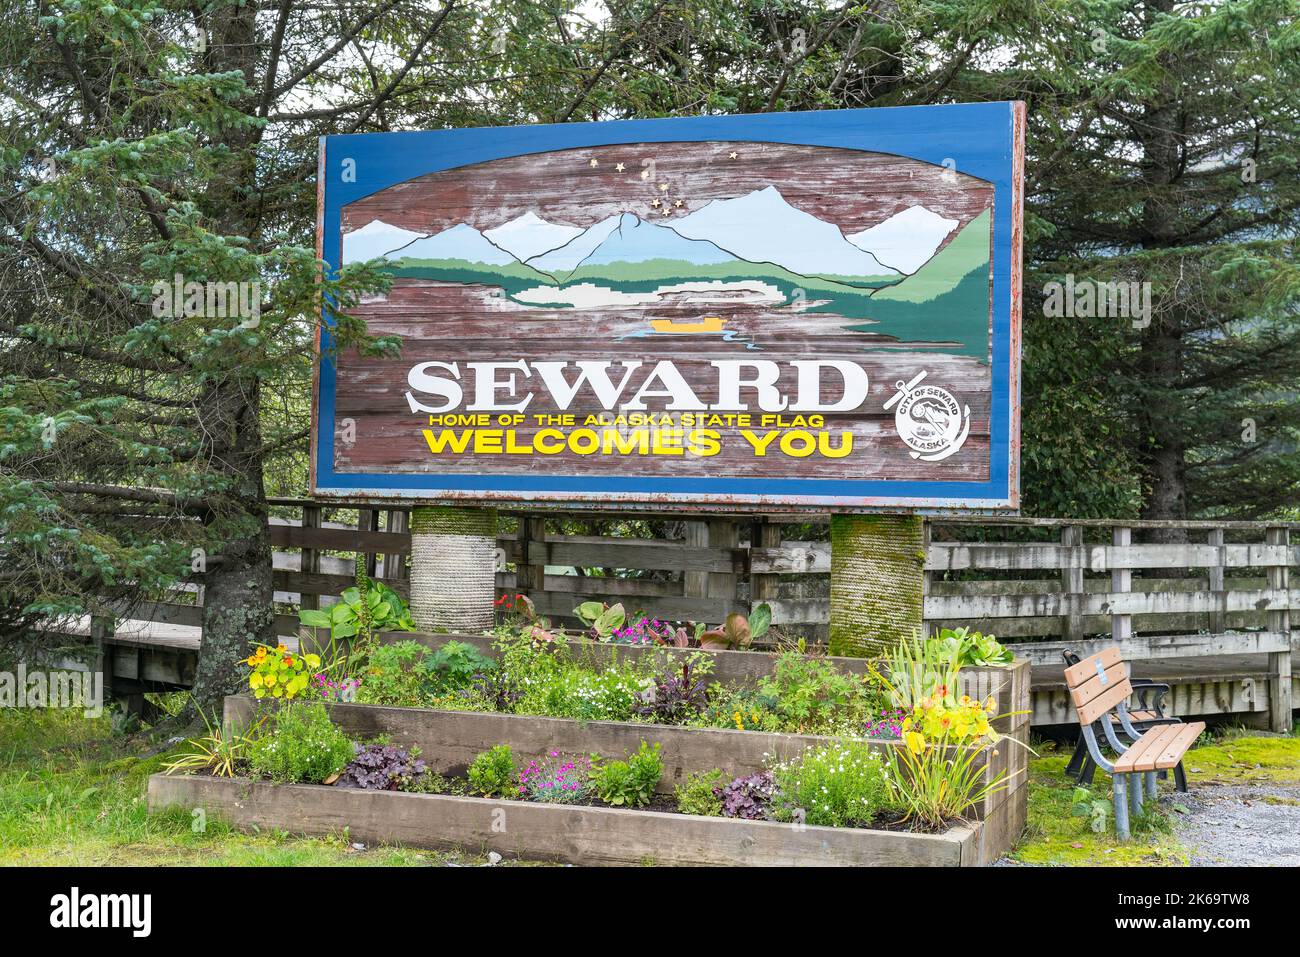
x=979 y=138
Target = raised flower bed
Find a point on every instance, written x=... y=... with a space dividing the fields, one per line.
x=450 y=740
x=594 y=736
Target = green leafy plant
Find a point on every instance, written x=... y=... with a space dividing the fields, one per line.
x=919 y=669
x=361 y=613
x=809 y=694
x=221 y=752
x=394 y=674
x=493 y=773
x=835 y=785
x=302 y=745
x=601 y=620
x=701 y=793
x=736 y=632
x=940 y=773
x=454 y=666
x=1085 y=804
x=280 y=673
x=630 y=783
x=971 y=647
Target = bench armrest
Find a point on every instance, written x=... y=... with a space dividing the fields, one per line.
x=1149 y=695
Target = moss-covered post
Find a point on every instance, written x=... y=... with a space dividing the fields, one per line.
x=453 y=568
x=877 y=582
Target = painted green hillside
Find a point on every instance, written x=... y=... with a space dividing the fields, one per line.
x=961 y=315
x=968 y=250
x=648 y=275
x=512 y=277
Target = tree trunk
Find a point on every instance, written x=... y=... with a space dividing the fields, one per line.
x=239 y=594
x=238 y=607
x=1163 y=452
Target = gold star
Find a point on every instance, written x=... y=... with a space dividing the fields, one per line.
x=663 y=187
x=677 y=203
x=665 y=211
x=645 y=174
x=619 y=168
x=655 y=203
x=595 y=163
x=733 y=154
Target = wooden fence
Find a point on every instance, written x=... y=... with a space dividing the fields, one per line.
x=1210 y=614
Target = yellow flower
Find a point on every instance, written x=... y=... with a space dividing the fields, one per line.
x=280 y=649
x=915 y=742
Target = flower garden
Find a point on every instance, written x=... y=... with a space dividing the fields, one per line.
x=622 y=742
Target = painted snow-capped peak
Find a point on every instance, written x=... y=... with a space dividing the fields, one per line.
x=634 y=240
x=906 y=240
x=462 y=242
x=373 y=240
x=530 y=235
x=571 y=254
x=762 y=227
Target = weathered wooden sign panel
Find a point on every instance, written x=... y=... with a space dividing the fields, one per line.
x=797 y=309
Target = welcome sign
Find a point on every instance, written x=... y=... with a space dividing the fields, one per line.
x=800 y=309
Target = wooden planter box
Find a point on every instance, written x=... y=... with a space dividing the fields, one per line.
x=550 y=832
x=450 y=740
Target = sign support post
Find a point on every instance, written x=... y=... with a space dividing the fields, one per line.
x=453 y=568
x=877 y=582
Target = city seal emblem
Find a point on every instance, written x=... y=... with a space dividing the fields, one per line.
x=930 y=421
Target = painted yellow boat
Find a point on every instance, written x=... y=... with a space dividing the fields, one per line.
x=703 y=324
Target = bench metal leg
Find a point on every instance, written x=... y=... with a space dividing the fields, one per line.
x=1135 y=793
x=1150 y=777
x=1180 y=777
x=1121 y=806
x=1075 y=768
x=1089 y=771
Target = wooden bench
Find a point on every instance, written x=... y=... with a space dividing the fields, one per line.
x=1146 y=711
x=1100 y=687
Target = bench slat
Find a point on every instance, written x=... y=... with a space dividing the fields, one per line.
x=1116 y=691
x=1160 y=748
x=1152 y=742
x=1138 y=716
x=1173 y=751
x=1086 y=669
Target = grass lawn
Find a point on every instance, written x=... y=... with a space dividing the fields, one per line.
x=1055 y=837
x=72 y=793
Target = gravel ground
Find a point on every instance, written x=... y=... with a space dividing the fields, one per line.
x=1243 y=825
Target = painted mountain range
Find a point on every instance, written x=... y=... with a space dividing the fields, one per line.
x=759 y=227
x=728 y=246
